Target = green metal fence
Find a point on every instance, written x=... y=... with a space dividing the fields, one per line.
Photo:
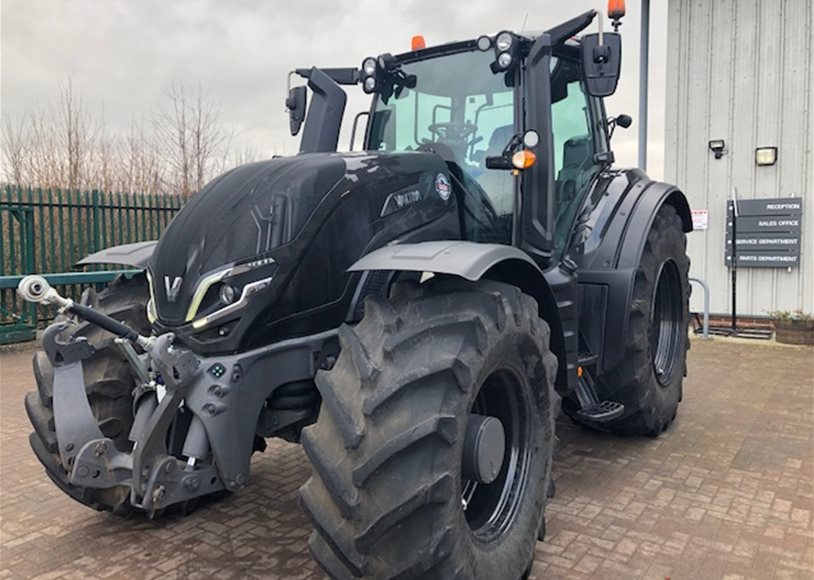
x=47 y=231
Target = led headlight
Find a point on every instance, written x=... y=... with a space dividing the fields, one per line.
x=504 y=59
x=152 y=316
x=369 y=85
x=369 y=67
x=152 y=313
x=503 y=42
x=227 y=294
x=484 y=43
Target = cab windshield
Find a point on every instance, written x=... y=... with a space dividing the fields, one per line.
x=460 y=110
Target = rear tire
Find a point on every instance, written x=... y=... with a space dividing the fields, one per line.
x=387 y=492
x=649 y=380
x=110 y=382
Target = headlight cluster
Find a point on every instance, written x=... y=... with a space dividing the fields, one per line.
x=370 y=75
x=222 y=293
x=229 y=290
x=505 y=45
x=229 y=302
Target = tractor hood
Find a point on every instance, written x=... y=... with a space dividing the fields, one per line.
x=230 y=232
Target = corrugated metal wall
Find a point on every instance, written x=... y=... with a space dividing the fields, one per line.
x=742 y=71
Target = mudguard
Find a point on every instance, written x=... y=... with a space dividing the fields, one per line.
x=136 y=255
x=468 y=260
x=614 y=263
x=473 y=261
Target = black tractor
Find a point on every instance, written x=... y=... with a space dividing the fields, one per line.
x=416 y=314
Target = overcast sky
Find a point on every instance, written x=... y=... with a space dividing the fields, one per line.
x=120 y=53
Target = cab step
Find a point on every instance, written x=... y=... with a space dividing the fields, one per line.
x=602 y=412
x=592 y=410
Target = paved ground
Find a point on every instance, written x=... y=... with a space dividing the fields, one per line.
x=728 y=492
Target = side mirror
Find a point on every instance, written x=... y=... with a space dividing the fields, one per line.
x=296 y=104
x=601 y=63
x=624 y=121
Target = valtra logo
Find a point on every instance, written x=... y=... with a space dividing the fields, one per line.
x=442 y=186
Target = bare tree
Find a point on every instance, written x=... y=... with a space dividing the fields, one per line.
x=189 y=138
x=44 y=163
x=16 y=145
x=141 y=169
x=76 y=135
x=181 y=147
x=210 y=141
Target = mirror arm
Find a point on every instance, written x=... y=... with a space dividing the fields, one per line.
x=499 y=162
x=611 y=127
x=504 y=160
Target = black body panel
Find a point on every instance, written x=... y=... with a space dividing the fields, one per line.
x=241 y=215
x=311 y=216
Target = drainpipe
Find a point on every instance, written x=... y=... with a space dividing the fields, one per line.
x=644 y=54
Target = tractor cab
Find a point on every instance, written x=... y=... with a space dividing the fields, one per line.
x=517 y=117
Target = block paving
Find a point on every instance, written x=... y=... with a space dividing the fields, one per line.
x=726 y=493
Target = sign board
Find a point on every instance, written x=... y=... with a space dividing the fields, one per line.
x=767 y=232
x=700 y=219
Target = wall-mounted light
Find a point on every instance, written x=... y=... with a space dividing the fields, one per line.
x=766 y=155
x=717 y=146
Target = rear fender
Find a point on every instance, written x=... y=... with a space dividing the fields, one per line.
x=614 y=264
x=473 y=261
x=641 y=220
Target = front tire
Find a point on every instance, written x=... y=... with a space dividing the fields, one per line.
x=387 y=497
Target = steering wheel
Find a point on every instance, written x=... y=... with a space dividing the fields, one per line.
x=453 y=132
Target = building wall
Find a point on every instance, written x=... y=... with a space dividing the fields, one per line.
x=742 y=71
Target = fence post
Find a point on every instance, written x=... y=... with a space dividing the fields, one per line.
x=95 y=198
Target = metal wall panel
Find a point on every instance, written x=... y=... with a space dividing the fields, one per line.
x=741 y=70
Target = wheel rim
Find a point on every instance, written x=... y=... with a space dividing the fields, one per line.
x=666 y=325
x=490 y=509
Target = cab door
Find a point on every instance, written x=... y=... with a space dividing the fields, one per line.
x=578 y=134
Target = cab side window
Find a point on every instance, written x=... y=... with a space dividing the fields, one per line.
x=574 y=146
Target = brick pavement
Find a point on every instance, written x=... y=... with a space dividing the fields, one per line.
x=727 y=492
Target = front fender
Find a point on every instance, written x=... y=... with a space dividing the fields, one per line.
x=473 y=261
x=136 y=255
x=468 y=260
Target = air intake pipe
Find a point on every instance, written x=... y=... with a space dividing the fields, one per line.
x=324 y=118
